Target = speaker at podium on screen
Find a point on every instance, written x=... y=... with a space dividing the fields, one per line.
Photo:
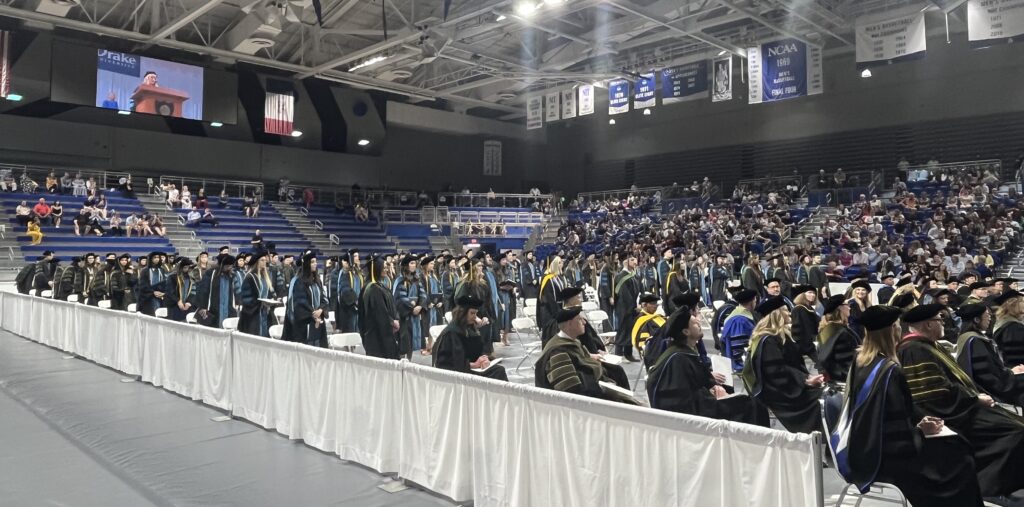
x=157 y=100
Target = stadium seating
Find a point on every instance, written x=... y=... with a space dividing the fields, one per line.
x=366 y=237
x=236 y=229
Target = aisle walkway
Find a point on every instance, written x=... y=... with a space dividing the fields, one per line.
x=74 y=434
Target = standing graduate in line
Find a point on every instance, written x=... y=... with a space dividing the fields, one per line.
x=70 y=281
x=1008 y=332
x=348 y=283
x=805 y=320
x=305 y=318
x=530 y=275
x=675 y=284
x=460 y=346
x=626 y=290
x=152 y=285
x=407 y=292
x=977 y=354
x=719 y=279
x=738 y=326
x=433 y=301
x=254 y=318
x=884 y=439
x=181 y=292
x=837 y=343
x=215 y=300
x=378 y=317
x=122 y=283
x=646 y=324
x=860 y=301
x=547 y=294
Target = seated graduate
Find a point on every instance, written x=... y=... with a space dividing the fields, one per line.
x=977 y=355
x=661 y=340
x=775 y=375
x=738 y=326
x=180 y=296
x=680 y=382
x=1008 y=332
x=305 y=317
x=942 y=389
x=572 y=297
x=837 y=343
x=805 y=320
x=881 y=437
x=566 y=366
x=647 y=322
x=460 y=347
x=722 y=313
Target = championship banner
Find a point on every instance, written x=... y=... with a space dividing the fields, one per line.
x=722 y=80
x=586 y=96
x=534 y=112
x=492 y=158
x=989 y=20
x=889 y=40
x=684 y=82
x=783 y=69
x=644 y=94
x=568 y=103
x=618 y=97
x=5 y=63
x=552 y=107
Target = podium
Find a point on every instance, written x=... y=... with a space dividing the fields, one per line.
x=157 y=100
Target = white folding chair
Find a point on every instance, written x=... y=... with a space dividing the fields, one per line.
x=276 y=331
x=589 y=306
x=597 y=318
x=104 y=303
x=279 y=314
x=46 y=294
x=190 y=317
x=436 y=331
x=72 y=298
x=344 y=340
x=447 y=316
x=161 y=313
x=877 y=491
x=131 y=308
x=330 y=316
x=531 y=302
x=230 y=323
x=718 y=304
x=521 y=326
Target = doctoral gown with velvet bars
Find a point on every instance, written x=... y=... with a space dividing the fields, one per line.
x=179 y=288
x=978 y=357
x=483 y=292
x=885 y=444
x=836 y=352
x=457 y=347
x=776 y=375
x=805 y=330
x=254 y=318
x=217 y=296
x=376 y=313
x=299 y=325
x=1010 y=338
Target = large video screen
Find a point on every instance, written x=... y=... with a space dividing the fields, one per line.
x=128 y=82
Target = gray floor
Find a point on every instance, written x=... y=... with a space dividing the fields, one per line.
x=74 y=434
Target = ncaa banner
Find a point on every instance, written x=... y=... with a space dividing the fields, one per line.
x=568 y=103
x=783 y=69
x=989 y=20
x=534 y=112
x=552 y=107
x=618 y=97
x=586 y=96
x=889 y=40
x=684 y=82
x=643 y=97
x=722 y=79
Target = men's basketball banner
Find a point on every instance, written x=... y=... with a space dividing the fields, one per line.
x=991 y=20
x=892 y=39
x=586 y=96
x=552 y=107
x=568 y=103
x=534 y=112
x=722 y=80
x=684 y=82
x=783 y=69
x=645 y=88
x=279 y=114
x=618 y=97
x=5 y=63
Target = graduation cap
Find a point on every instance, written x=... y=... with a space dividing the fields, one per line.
x=469 y=301
x=665 y=249
x=678 y=322
x=980 y=285
x=745 y=296
x=861 y=284
x=47 y=253
x=1007 y=281
x=937 y=293
x=343 y=256
x=800 y=289
x=904 y=280
x=1006 y=296
x=971 y=311
x=567 y=314
x=887 y=275
x=879 y=317
x=569 y=293
x=255 y=258
x=427 y=260
x=770 y=280
x=968 y=274
x=771 y=304
x=76 y=260
x=153 y=254
x=648 y=298
x=690 y=299
x=903 y=300
x=921 y=313
x=833 y=303
x=308 y=256
x=226 y=259
x=185 y=262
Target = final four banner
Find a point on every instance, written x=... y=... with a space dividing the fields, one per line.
x=534 y=112
x=645 y=88
x=552 y=106
x=586 y=98
x=684 y=82
x=891 y=39
x=618 y=97
x=783 y=69
x=568 y=103
x=990 y=20
x=723 y=79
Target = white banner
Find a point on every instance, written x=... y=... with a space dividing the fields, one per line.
x=553 y=109
x=890 y=39
x=722 y=82
x=994 y=19
x=492 y=158
x=755 y=92
x=534 y=112
x=815 y=74
x=568 y=103
x=586 y=95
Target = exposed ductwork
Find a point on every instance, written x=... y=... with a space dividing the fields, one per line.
x=256 y=31
x=55 y=7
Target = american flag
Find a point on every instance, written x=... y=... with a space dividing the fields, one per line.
x=5 y=63
x=279 y=114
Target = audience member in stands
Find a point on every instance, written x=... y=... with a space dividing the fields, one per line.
x=201 y=199
x=90 y=186
x=460 y=347
x=124 y=184
x=57 y=213
x=101 y=207
x=251 y=206
x=52 y=184
x=223 y=200
x=7 y=183
x=193 y=218
x=362 y=213
x=115 y=227
x=28 y=185
x=173 y=197
x=186 y=197
x=78 y=186
x=307 y=197
x=208 y=218
x=34 y=232
x=155 y=225
x=23 y=214
x=282 y=189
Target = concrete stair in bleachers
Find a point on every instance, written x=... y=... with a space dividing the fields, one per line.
x=366 y=237
x=180 y=237
x=236 y=230
x=318 y=238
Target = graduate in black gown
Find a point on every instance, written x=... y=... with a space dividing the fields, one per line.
x=122 y=282
x=1008 y=332
x=572 y=297
x=805 y=320
x=681 y=382
x=216 y=298
x=626 y=289
x=837 y=343
x=180 y=298
x=774 y=372
x=882 y=438
x=152 y=285
x=976 y=353
x=475 y=283
x=407 y=292
x=675 y=284
x=460 y=346
x=254 y=318
x=860 y=301
x=305 y=318
x=378 y=317
x=942 y=389
x=547 y=292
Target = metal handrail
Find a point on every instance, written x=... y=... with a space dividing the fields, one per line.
x=318 y=225
x=489 y=199
x=236 y=188
x=104 y=179
x=335 y=240
x=304 y=211
x=10 y=252
x=616 y=193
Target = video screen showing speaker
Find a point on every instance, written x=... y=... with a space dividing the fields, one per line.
x=140 y=84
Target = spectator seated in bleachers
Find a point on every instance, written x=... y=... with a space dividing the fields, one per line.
x=251 y=206
x=35 y=232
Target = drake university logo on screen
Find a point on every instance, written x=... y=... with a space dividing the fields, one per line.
x=120 y=63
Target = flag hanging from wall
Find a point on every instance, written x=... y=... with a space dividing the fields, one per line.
x=534 y=112
x=643 y=95
x=279 y=108
x=783 y=69
x=991 y=21
x=586 y=99
x=684 y=82
x=883 y=40
x=5 y=63
x=569 y=103
x=618 y=97
x=552 y=106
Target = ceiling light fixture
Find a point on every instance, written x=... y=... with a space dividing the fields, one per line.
x=296 y=133
x=525 y=8
x=14 y=97
x=124 y=112
x=364 y=142
x=722 y=52
x=501 y=17
x=371 y=61
x=865 y=73
x=611 y=121
x=216 y=124
x=647 y=112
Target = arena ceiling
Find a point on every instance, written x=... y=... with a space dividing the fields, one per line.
x=483 y=57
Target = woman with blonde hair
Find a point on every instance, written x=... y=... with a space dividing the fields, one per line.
x=885 y=441
x=774 y=372
x=475 y=283
x=1008 y=332
x=860 y=300
x=805 y=320
x=837 y=343
x=547 y=296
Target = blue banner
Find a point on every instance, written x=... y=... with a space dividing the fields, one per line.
x=785 y=69
x=618 y=97
x=645 y=87
x=685 y=82
x=121 y=63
